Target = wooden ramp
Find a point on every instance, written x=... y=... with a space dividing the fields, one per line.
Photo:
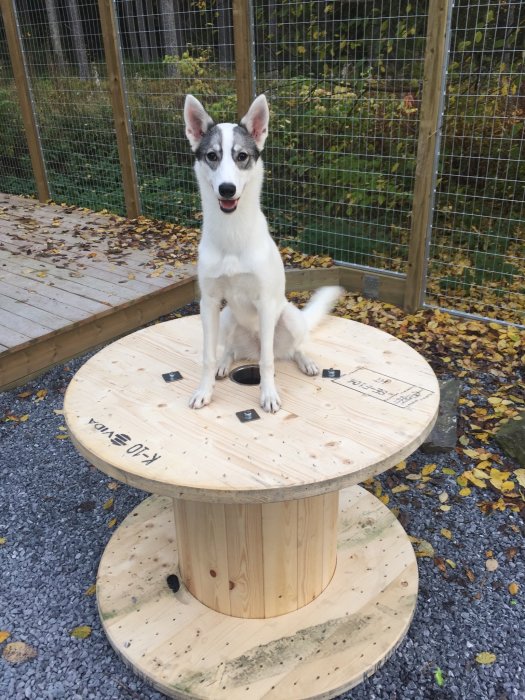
x=67 y=284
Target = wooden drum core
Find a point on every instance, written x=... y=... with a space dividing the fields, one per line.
x=257 y=560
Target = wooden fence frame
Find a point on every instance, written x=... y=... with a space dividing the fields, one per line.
x=408 y=290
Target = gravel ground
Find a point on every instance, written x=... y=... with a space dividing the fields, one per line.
x=55 y=530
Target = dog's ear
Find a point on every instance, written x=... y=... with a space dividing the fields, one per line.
x=256 y=121
x=197 y=121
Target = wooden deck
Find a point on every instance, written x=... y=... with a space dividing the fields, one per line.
x=66 y=286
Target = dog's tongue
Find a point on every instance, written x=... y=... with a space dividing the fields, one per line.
x=228 y=204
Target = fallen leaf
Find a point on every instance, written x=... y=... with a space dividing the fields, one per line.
x=108 y=504
x=486 y=658
x=428 y=469
x=520 y=476
x=423 y=548
x=4 y=634
x=446 y=533
x=81 y=632
x=465 y=491
x=91 y=590
x=491 y=564
x=513 y=588
x=438 y=675
x=3 y=540
x=470 y=575
x=18 y=652
x=112 y=522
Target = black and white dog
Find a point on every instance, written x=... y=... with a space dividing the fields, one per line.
x=238 y=260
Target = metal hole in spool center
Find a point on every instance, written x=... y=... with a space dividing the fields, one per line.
x=247 y=374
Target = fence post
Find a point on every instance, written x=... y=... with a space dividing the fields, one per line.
x=432 y=101
x=244 y=54
x=117 y=89
x=25 y=97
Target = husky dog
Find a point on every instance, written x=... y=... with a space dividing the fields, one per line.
x=238 y=260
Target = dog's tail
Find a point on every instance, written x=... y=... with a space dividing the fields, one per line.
x=321 y=303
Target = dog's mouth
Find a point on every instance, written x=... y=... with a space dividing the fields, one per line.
x=228 y=205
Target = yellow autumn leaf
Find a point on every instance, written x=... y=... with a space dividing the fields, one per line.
x=479 y=474
x=513 y=588
x=449 y=471
x=428 y=469
x=401 y=488
x=474 y=479
x=402 y=465
x=520 y=476
x=108 y=504
x=81 y=632
x=465 y=491
x=446 y=533
x=486 y=657
x=4 y=634
x=494 y=400
x=112 y=522
x=385 y=498
x=471 y=453
x=3 y=540
x=91 y=590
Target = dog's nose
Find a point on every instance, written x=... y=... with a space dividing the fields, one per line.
x=227 y=190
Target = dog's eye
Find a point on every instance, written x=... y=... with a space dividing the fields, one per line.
x=212 y=157
x=242 y=157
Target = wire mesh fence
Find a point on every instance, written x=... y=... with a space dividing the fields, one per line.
x=345 y=82
x=344 y=79
x=183 y=47
x=16 y=175
x=478 y=244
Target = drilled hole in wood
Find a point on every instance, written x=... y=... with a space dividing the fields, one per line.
x=247 y=374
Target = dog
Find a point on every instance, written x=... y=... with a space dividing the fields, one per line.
x=239 y=262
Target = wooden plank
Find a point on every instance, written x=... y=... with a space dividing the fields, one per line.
x=372 y=284
x=279 y=524
x=245 y=559
x=108 y=293
x=205 y=557
x=434 y=75
x=20 y=324
x=10 y=338
x=244 y=55
x=28 y=359
x=21 y=284
x=298 y=280
x=310 y=548
x=22 y=313
x=132 y=266
x=117 y=88
x=16 y=52
x=331 y=516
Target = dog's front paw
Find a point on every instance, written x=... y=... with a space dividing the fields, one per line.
x=200 y=398
x=223 y=371
x=307 y=365
x=270 y=400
